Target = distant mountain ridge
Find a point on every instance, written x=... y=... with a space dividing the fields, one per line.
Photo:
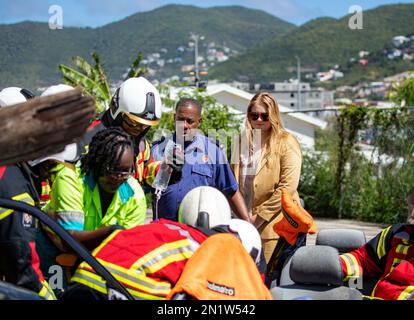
x=31 y=52
x=320 y=44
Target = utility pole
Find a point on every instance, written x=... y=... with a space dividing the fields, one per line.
x=299 y=95
x=195 y=37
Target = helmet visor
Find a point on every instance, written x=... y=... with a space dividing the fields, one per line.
x=132 y=124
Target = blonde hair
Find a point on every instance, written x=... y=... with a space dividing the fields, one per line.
x=278 y=132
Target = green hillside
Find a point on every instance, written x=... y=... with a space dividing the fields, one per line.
x=321 y=43
x=31 y=52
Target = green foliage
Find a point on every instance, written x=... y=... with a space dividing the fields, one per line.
x=403 y=94
x=94 y=80
x=338 y=178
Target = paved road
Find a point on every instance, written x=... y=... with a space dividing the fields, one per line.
x=370 y=229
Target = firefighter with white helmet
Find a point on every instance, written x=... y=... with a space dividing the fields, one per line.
x=135 y=107
x=207 y=207
x=137 y=100
x=204 y=207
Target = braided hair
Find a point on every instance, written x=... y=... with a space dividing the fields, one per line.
x=105 y=151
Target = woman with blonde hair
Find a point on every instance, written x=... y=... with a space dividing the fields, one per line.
x=269 y=160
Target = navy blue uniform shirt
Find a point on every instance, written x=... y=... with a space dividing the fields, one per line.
x=205 y=165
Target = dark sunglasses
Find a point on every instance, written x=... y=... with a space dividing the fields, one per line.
x=132 y=123
x=256 y=115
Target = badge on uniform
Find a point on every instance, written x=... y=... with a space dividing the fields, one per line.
x=27 y=220
x=205 y=158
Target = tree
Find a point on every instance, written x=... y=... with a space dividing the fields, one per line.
x=93 y=79
x=339 y=180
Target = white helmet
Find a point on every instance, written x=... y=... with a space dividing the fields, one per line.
x=248 y=235
x=70 y=152
x=138 y=98
x=204 y=207
x=56 y=89
x=14 y=95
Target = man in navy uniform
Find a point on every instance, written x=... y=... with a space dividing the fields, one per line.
x=204 y=164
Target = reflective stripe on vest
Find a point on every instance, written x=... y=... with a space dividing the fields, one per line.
x=135 y=278
x=353 y=269
x=95 y=282
x=23 y=197
x=46 y=292
x=381 y=251
x=407 y=293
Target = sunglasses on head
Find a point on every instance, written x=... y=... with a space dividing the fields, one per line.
x=256 y=115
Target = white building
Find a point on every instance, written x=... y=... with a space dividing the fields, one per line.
x=287 y=94
x=399 y=40
x=300 y=124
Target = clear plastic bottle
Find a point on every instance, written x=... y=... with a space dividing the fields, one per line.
x=163 y=176
x=164 y=173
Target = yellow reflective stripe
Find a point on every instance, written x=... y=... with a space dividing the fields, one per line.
x=46 y=292
x=24 y=197
x=169 y=259
x=91 y=280
x=45 y=189
x=147 y=152
x=159 y=251
x=381 y=243
x=406 y=293
x=131 y=278
x=371 y=297
x=357 y=266
x=105 y=242
x=5 y=212
x=395 y=263
x=88 y=279
x=402 y=249
x=138 y=281
x=97 y=283
x=352 y=266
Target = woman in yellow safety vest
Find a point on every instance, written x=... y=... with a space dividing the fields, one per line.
x=93 y=200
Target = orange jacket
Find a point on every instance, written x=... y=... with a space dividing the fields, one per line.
x=213 y=273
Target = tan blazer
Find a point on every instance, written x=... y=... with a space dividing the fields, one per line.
x=267 y=184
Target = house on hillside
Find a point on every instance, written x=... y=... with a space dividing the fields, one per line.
x=399 y=40
x=303 y=126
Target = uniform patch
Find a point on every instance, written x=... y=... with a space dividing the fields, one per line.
x=27 y=220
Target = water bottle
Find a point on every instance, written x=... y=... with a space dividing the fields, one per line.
x=163 y=177
x=164 y=173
